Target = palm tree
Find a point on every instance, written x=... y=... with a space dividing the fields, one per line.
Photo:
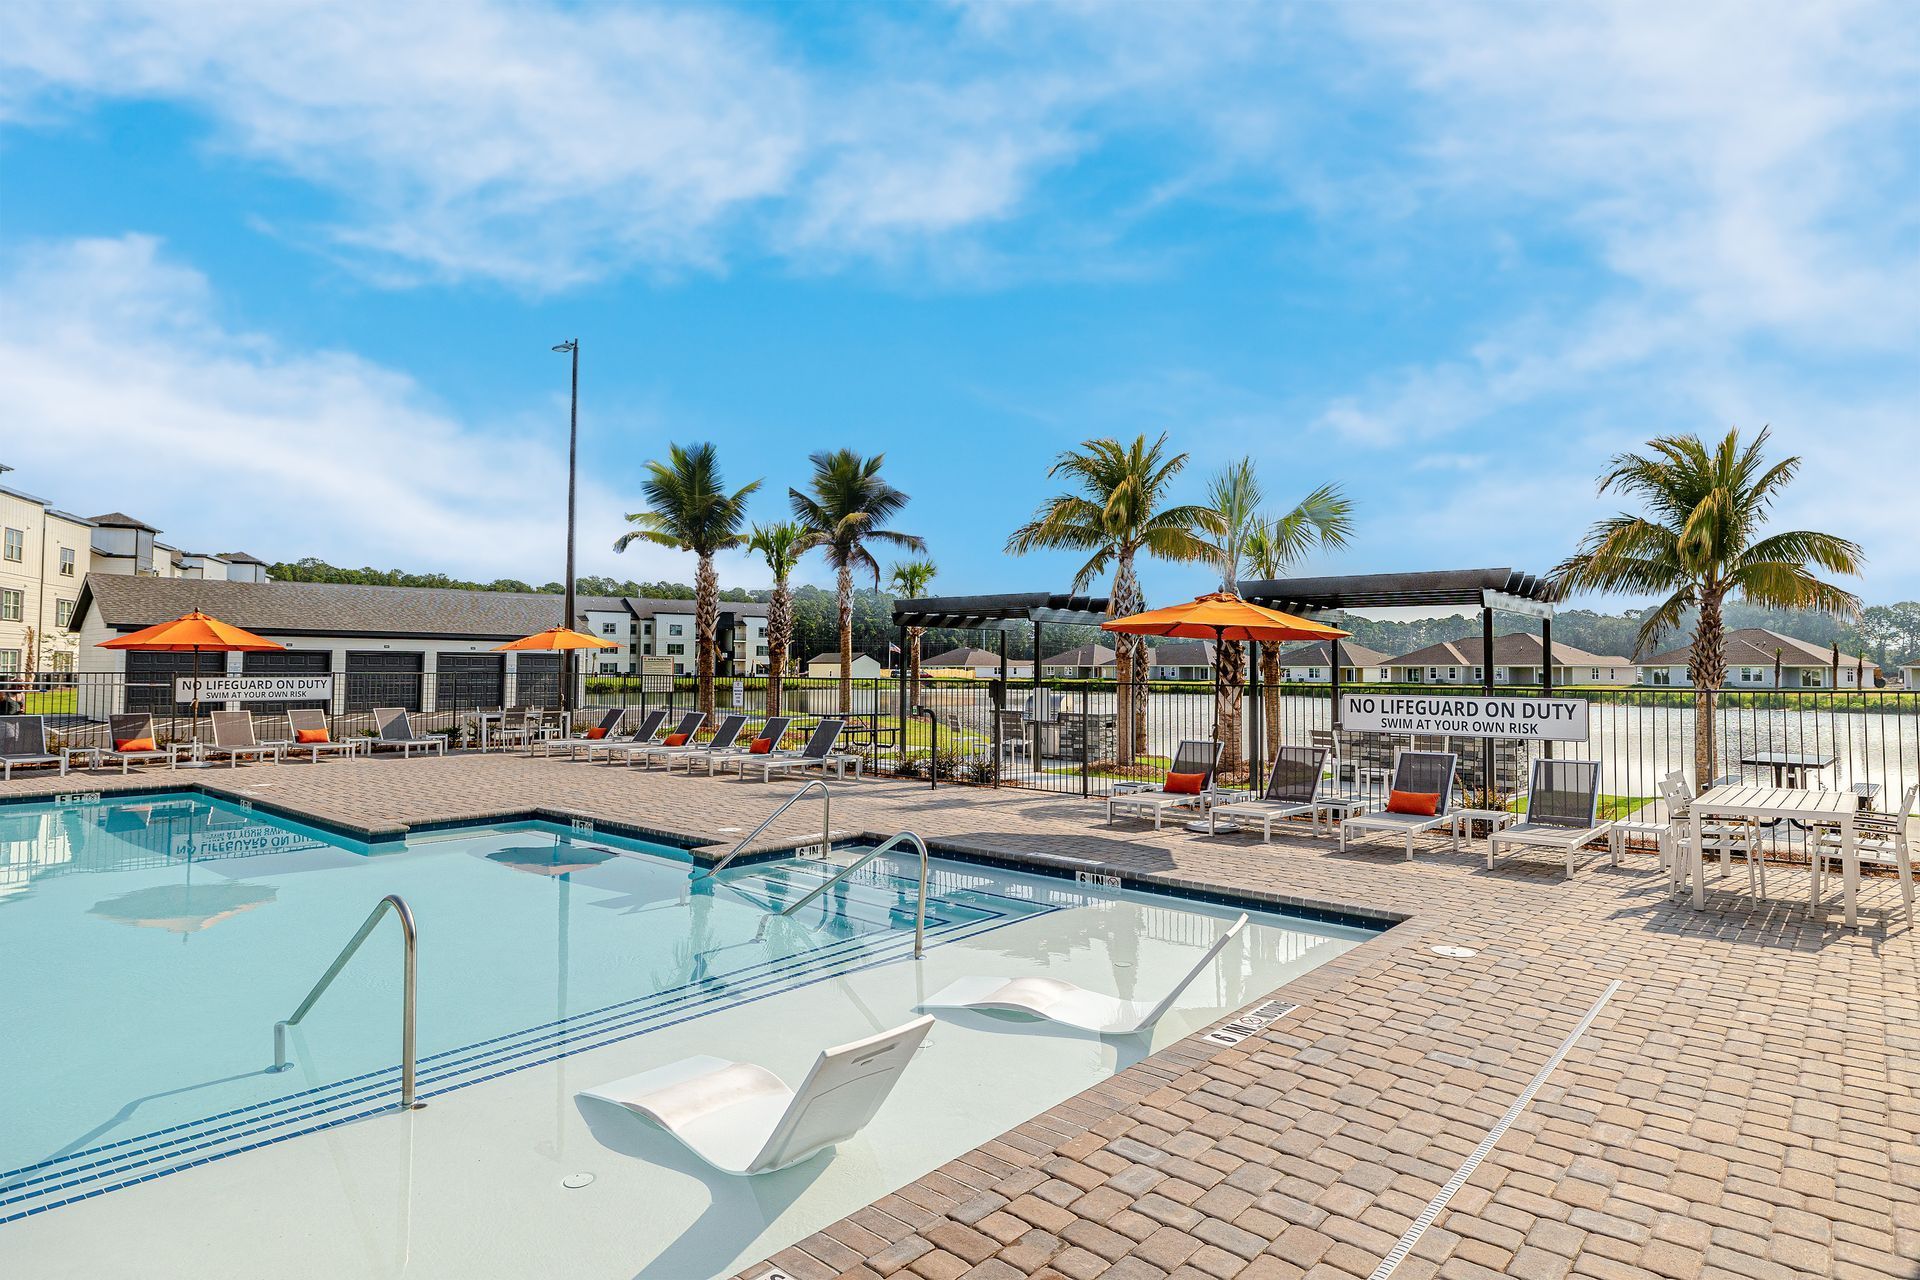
x=1323 y=518
x=1700 y=542
x=690 y=510
x=781 y=544
x=842 y=510
x=909 y=580
x=1115 y=513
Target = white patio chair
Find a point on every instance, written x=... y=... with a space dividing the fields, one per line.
x=1880 y=837
x=395 y=733
x=233 y=738
x=1291 y=791
x=643 y=733
x=742 y=1119
x=1427 y=773
x=23 y=740
x=1070 y=1005
x=1563 y=813
x=1194 y=756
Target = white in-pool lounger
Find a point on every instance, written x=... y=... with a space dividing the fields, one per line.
x=1063 y=1002
x=743 y=1119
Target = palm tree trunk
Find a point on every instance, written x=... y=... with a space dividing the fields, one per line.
x=1232 y=657
x=845 y=588
x=1130 y=668
x=779 y=637
x=1707 y=669
x=1270 y=699
x=706 y=620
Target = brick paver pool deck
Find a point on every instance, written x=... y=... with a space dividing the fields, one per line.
x=1746 y=1104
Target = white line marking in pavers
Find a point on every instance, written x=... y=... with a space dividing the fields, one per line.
x=1438 y=1204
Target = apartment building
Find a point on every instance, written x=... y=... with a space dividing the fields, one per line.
x=44 y=553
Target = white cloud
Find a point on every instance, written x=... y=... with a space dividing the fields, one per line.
x=141 y=399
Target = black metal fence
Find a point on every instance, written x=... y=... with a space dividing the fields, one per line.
x=1081 y=738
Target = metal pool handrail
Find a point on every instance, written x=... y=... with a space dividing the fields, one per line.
x=826 y=825
x=920 y=917
x=411 y=936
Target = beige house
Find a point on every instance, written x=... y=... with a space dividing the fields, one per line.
x=1083 y=662
x=1516 y=661
x=826 y=666
x=43 y=563
x=1312 y=663
x=978 y=663
x=1752 y=653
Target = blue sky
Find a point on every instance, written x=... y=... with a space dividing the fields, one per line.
x=284 y=277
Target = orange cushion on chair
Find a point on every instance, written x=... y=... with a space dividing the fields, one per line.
x=760 y=746
x=1184 y=784
x=307 y=737
x=676 y=740
x=1423 y=804
x=597 y=732
x=134 y=744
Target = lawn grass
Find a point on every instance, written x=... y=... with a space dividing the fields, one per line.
x=54 y=702
x=1612 y=808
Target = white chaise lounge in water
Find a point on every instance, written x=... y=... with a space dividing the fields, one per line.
x=742 y=1119
x=1065 y=1003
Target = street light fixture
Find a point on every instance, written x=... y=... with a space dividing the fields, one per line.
x=572 y=347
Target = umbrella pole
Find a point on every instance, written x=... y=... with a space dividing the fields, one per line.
x=193 y=717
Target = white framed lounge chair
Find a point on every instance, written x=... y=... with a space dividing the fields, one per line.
x=680 y=736
x=1292 y=790
x=132 y=729
x=395 y=733
x=818 y=753
x=1415 y=773
x=608 y=725
x=1199 y=756
x=233 y=739
x=743 y=1119
x=725 y=734
x=774 y=729
x=1073 y=1006
x=1563 y=813
x=23 y=740
x=310 y=734
x=650 y=722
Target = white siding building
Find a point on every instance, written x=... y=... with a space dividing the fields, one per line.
x=43 y=562
x=1752 y=654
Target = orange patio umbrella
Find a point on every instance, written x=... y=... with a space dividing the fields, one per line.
x=555 y=640
x=194 y=633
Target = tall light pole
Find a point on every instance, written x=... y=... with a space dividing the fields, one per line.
x=572 y=347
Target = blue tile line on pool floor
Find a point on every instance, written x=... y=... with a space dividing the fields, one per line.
x=169 y=1152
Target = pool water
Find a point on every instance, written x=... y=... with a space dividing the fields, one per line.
x=150 y=944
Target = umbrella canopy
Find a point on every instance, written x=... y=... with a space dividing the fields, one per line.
x=555 y=640
x=183 y=908
x=191 y=633
x=1223 y=616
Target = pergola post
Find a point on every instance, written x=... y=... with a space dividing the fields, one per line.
x=1333 y=682
x=1257 y=711
x=902 y=644
x=1546 y=670
x=1486 y=687
x=1000 y=710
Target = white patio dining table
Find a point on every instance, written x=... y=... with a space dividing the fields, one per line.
x=1824 y=808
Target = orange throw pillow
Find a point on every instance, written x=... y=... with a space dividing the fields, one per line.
x=1185 y=784
x=676 y=740
x=134 y=744
x=597 y=732
x=760 y=746
x=310 y=736
x=1421 y=803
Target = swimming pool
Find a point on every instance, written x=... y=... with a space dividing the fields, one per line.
x=150 y=944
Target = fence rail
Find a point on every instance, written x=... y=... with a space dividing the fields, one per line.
x=1067 y=736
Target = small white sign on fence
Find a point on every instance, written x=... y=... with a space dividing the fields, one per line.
x=1469 y=715
x=314 y=688
x=739 y=694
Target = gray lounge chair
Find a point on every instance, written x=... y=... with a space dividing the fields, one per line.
x=313 y=720
x=1563 y=813
x=23 y=740
x=1418 y=772
x=395 y=733
x=233 y=739
x=724 y=735
x=1195 y=755
x=648 y=727
x=689 y=725
x=609 y=723
x=132 y=728
x=772 y=731
x=1292 y=790
x=817 y=754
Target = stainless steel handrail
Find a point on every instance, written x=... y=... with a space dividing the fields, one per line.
x=395 y=903
x=826 y=825
x=920 y=918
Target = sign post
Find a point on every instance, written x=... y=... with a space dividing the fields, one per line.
x=1468 y=715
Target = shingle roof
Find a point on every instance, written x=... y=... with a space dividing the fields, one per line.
x=648 y=606
x=834 y=658
x=1319 y=654
x=1183 y=653
x=1753 y=647
x=121 y=520
x=964 y=658
x=1086 y=655
x=1516 y=649
x=324 y=608
x=240 y=557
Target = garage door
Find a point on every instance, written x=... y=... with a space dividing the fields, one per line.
x=150 y=678
x=537 y=680
x=470 y=681
x=298 y=662
x=377 y=678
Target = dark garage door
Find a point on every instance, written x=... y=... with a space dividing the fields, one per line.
x=470 y=681
x=536 y=680
x=298 y=662
x=377 y=678
x=150 y=678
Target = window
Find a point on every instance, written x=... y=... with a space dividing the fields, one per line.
x=675 y=629
x=1659 y=675
x=1594 y=674
x=66 y=562
x=1453 y=673
x=62 y=612
x=1479 y=674
x=12 y=605
x=9 y=659
x=16 y=545
x=606 y=628
x=1811 y=678
x=1749 y=675
x=1433 y=673
x=675 y=650
x=761 y=650
x=609 y=668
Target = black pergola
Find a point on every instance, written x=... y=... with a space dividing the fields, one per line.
x=1000 y=613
